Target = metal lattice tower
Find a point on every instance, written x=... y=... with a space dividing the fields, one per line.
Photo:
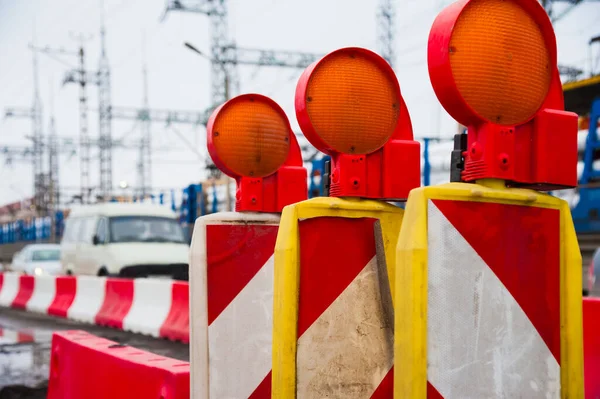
x=38 y=137
x=145 y=156
x=386 y=30
x=548 y=5
x=105 y=118
x=225 y=55
x=35 y=114
x=84 y=137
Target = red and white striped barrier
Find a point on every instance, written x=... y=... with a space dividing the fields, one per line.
x=159 y=308
x=231 y=277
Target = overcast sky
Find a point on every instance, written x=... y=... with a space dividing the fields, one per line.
x=179 y=79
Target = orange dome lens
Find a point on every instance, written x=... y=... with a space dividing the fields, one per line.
x=500 y=61
x=353 y=102
x=251 y=137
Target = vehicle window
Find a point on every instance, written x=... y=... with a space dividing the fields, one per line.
x=145 y=229
x=87 y=229
x=46 y=255
x=71 y=230
x=101 y=231
x=596 y=262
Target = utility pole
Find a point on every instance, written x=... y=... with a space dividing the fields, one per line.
x=35 y=114
x=145 y=156
x=386 y=30
x=105 y=118
x=53 y=171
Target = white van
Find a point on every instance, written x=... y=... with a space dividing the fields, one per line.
x=124 y=239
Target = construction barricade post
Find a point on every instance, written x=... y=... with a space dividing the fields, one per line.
x=231 y=261
x=334 y=257
x=488 y=277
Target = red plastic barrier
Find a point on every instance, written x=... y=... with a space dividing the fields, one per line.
x=1 y=281
x=591 y=347
x=117 y=302
x=26 y=284
x=66 y=287
x=85 y=366
x=176 y=326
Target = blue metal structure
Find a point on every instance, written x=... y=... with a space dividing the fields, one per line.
x=316 y=186
x=586 y=214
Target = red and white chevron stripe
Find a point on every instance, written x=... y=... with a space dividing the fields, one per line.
x=493 y=324
x=158 y=308
x=231 y=277
x=345 y=338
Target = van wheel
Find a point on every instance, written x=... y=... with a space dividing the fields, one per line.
x=103 y=272
x=69 y=273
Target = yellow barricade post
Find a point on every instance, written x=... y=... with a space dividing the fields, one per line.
x=488 y=277
x=334 y=257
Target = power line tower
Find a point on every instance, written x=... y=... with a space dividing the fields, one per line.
x=35 y=114
x=549 y=6
x=386 y=30
x=145 y=156
x=225 y=55
x=105 y=118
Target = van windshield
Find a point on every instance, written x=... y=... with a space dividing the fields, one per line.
x=46 y=255
x=145 y=229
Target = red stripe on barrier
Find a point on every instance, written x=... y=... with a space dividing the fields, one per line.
x=66 y=288
x=177 y=324
x=26 y=285
x=521 y=244
x=263 y=390
x=85 y=366
x=117 y=302
x=386 y=387
x=327 y=241
x=591 y=347
x=231 y=262
x=24 y=338
x=1 y=281
x=433 y=393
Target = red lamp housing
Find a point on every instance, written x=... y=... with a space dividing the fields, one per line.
x=349 y=106
x=249 y=138
x=492 y=64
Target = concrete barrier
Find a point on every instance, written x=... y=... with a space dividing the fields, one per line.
x=85 y=366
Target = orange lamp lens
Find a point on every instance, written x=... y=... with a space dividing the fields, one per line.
x=353 y=102
x=251 y=137
x=500 y=61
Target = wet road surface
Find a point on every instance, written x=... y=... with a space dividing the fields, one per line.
x=25 y=340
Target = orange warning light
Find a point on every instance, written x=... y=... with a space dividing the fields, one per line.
x=250 y=139
x=496 y=62
x=249 y=136
x=348 y=102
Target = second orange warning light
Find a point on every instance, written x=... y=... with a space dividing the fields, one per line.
x=349 y=106
x=249 y=138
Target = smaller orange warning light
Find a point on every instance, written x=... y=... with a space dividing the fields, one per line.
x=249 y=136
x=348 y=102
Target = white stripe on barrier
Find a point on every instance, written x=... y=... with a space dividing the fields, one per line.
x=88 y=298
x=10 y=288
x=350 y=342
x=506 y=342
x=252 y=315
x=150 y=307
x=9 y=337
x=44 y=289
